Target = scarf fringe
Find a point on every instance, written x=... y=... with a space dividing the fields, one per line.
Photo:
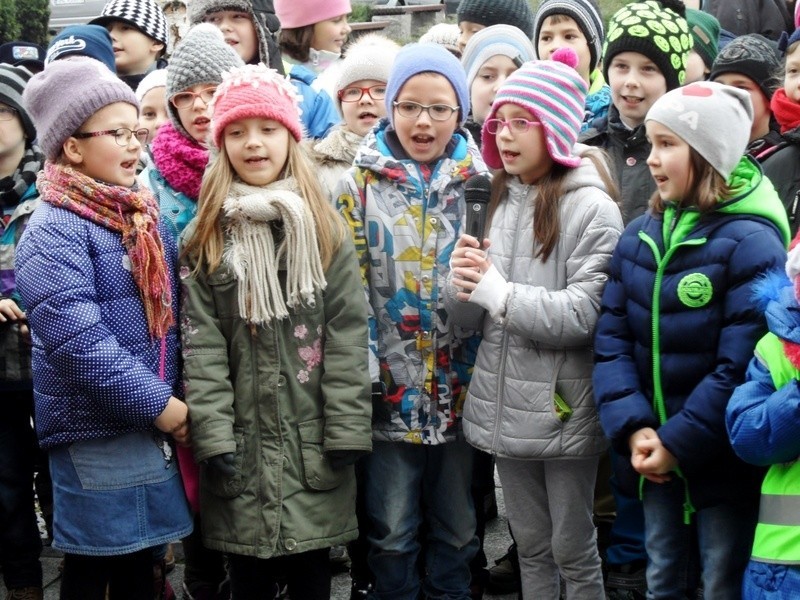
x=254 y=259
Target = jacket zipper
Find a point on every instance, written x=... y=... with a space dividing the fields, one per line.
x=658 y=396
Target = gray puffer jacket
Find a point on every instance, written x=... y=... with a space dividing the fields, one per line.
x=542 y=345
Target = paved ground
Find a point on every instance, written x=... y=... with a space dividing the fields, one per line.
x=497 y=540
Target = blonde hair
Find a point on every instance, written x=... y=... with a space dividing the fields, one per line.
x=546 y=225
x=708 y=187
x=207 y=244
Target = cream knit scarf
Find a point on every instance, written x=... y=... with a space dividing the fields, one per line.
x=252 y=255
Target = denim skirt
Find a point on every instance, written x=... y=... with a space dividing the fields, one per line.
x=117 y=495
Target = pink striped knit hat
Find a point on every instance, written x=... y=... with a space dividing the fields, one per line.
x=555 y=94
x=254 y=91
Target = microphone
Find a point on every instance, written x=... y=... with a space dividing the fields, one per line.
x=477 y=191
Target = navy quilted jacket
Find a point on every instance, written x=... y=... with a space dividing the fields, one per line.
x=95 y=368
x=678 y=328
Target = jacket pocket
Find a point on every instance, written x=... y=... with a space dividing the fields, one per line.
x=221 y=485
x=224 y=286
x=317 y=471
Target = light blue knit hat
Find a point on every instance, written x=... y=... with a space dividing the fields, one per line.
x=506 y=40
x=414 y=59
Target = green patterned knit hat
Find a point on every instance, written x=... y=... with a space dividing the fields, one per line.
x=655 y=30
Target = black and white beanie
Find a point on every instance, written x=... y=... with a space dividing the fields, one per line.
x=145 y=15
x=584 y=12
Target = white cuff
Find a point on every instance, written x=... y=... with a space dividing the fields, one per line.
x=492 y=293
x=793 y=263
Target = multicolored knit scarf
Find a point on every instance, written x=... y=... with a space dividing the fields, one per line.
x=134 y=214
x=180 y=160
x=786 y=111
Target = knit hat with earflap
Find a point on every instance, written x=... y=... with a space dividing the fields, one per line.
x=496 y=12
x=299 y=13
x=12 y=83
x=755 y=57
x=255 y=91
x=414 y=59
x=371 y=56
x=62 y=97
x=505 y=40
x=145 y=15
x=554 y=93
x=698 y=112
x=655 y=31
x=201 y=57
x=704 y=28
x=587 y=16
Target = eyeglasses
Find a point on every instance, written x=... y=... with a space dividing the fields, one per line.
x=354 y=94
x=7 y=113
x=122 y=135
x=437 y=112
x=494 y=126
x=186 y=99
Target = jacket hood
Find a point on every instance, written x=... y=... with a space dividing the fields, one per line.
x=584 y=175
x=757 y=198
x=774 y=294
x=375 y=155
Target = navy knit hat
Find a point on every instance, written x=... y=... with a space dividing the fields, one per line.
x=414 y=59
x=12 y=84
x=655 y=31
x=83 y=40
x=145 y=15
x=497 y=12
x=584 y=12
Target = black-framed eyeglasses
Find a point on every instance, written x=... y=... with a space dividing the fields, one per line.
x=494 y=126
x=122 y=136
x=437 y=112
x=354 y=94
x=186 y=99
x=7 y=113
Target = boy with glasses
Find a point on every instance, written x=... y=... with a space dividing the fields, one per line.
x=404 y=201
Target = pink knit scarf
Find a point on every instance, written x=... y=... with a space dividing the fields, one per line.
x=134 y=214
x=180 y=160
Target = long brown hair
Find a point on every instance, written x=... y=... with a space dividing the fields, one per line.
x=207 y=243
x=296 y=42
x=708 y=187
x=546 y=223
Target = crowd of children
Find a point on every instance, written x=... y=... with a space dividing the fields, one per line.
x=240 y=307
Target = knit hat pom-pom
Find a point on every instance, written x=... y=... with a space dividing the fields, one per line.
x=568 y=56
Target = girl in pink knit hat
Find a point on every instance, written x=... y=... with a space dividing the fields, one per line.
x=313 y=33
x=274 y=324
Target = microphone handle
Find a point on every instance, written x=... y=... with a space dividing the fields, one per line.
x=476 y=220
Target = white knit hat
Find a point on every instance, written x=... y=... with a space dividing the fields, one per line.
x=153 y=79
x=370 y=57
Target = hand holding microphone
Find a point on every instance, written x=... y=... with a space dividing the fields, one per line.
x=469 y=260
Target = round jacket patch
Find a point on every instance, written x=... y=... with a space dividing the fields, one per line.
x=695 y=290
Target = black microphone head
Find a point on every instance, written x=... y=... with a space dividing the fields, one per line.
x=478 y=188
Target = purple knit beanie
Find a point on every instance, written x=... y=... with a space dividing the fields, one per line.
x=62 y=97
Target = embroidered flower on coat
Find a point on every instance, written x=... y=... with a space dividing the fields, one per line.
x=312 y=356
x=300 y=332
x=184 y=272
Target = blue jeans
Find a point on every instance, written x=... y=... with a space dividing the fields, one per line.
x=406 y=484
x=20 y=544
x=724 y=537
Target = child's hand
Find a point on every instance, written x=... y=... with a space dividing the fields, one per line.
x=175 y=421
x=469 y=263
x=649 y=457
x=10 y=312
